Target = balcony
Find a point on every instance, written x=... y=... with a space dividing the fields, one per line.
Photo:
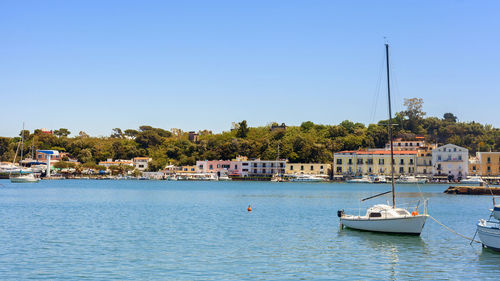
x=451 y=160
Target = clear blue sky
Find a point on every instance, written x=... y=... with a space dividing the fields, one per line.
x=95 y=65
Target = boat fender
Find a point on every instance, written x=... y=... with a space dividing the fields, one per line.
x=414 y=213
x=340 y=213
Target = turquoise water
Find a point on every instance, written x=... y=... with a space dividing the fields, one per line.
x=160 y=230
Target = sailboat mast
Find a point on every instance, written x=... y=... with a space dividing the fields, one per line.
x=390 y=124
x=22 y=143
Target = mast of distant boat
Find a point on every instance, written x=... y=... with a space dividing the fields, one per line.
x=390 y=124
x=22 y=147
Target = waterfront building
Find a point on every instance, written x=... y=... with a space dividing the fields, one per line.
x=485 y=164
x=374 y=161
x=55 y=157
x=187 y=169
x=219 y=167
x=307 y=168
x=243 y=167
x=450 y=161
x=141 y=163
x=424 y=160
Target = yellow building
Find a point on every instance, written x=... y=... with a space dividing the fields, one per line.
x=485 y=164
x=424 y=160
x=375 y=161
x=186 y=169
x=307 y=168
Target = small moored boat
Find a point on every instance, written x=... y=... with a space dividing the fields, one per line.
x=489 y=234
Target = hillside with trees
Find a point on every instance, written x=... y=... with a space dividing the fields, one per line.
x=308 y=142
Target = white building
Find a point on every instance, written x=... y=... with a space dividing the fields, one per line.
x=450 y=160
x=141 y=163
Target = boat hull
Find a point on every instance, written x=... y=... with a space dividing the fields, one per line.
x=403 y=225
x=14 y=180
x=489 y=234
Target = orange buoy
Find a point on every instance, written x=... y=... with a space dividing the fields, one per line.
x=249 y=208
x=414 y=213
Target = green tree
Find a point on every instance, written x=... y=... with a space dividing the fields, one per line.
x=117 y=133
x=450 y=117
x=62 y=132
x=413 y=112
x=243 y=130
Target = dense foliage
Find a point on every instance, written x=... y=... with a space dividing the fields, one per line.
x=308 y=142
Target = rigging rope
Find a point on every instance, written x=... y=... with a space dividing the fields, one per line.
x=453 y=231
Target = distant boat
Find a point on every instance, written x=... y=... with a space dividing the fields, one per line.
x=306 y=178
x=411 y=180
x=381 y=217
x=24 y=178
x=473 y=180
x=363 y=179
x=224 y=178
x=379 y=179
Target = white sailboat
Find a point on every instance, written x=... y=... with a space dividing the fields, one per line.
x=276 y=177
x=382 y=217
x=26 y=175
x=489 y=230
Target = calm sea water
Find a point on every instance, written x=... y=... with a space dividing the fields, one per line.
x=160 y=230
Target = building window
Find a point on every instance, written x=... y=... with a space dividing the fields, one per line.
x=291 y=168
x=439 y=157
x=302 y=167
x=360 y=161
x=263 y=171
x=263 y=164
x=254 y=165
x=411 y=161
x=350 y=161
x=321 y=167
x=401 y=170
x=339 y=169
x=425 y=171
x=244 y=164
x=312 y=168
x=272 y=165
x=401 y=161
x=245 y=170
x=255 y=171
x=281 y=165
x=211 y=167
x=339 y=161
x=489 y=160
x=381 y=161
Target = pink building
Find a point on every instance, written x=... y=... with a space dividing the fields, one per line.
x=215 y=166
